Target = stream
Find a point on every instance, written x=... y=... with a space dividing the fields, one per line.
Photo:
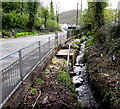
x=85 y=94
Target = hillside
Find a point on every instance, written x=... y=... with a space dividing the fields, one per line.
x=68 y=17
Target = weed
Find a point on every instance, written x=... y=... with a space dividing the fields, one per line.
x=63 y=77
x=46 y=73
x=74 y=95
x=34 y=91
x=80 y=105
x=91 y=41
x=38 y=81
x=72 y=87
x=91 y=55
x=108 y=97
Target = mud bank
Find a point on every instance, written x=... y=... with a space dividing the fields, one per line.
x=104 y=76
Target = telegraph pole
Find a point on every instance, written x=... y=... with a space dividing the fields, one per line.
x=57 y=14
x=81 y=8
x=118 y=12
x=77 y=15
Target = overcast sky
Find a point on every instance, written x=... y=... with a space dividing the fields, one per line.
x=66 y=5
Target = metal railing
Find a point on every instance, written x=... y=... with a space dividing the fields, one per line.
x=18 y=65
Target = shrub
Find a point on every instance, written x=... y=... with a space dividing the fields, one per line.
x=77 y=41
x=38 y=22
x=14 y=20
x=5 y=33
x=24 y=34
x=51 y=25
x=91 y=41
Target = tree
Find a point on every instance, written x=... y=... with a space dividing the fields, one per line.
x=33 y=8
x=45 y=14
x=94 y=19
x=110 y=16
x=52 y=15
x=11 y=6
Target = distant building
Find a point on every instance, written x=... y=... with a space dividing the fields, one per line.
x=64 y=26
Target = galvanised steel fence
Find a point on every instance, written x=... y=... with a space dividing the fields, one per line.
x=18 y=65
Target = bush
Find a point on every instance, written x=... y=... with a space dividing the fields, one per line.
x=14 y=20
x=5 y=33
x=23 y=34
x=51 y=25
x=76 y=41
x=38 y=22
x=91 y=41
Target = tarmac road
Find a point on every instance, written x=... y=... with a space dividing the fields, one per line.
x=10 y=45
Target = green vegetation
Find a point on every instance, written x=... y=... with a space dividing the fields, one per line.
x=34 y=91
x=103 y=50
x=101 y=25
x=38 y=81
x=64 y=77
x=72 y=87
x=80 y=105
x=24 y=34
x=74 y=95
x=46 y=73
x=20 y=18
x=77 y=41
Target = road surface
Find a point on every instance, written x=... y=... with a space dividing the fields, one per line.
x=10 y=45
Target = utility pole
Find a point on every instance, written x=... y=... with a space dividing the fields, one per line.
x=81 y=8
x=57 y=14
x=118 y=12
x=77 y=15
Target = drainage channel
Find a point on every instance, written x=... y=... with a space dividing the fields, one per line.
x=85 y=94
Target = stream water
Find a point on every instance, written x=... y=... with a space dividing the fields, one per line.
x=85 y=94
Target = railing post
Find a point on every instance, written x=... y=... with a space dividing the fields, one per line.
x=20 y=65
x=68 y=34
x=39 y=50
x=68 y=60
x=49 y=42
x=56 y=38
